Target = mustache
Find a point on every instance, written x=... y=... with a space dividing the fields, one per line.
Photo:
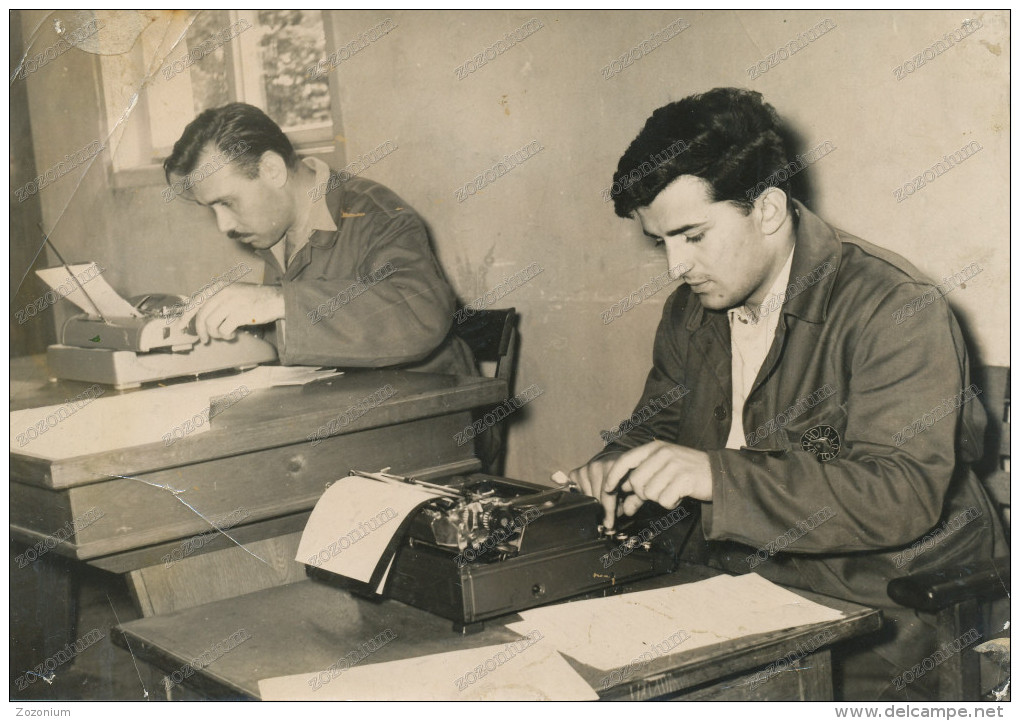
x=234 y=235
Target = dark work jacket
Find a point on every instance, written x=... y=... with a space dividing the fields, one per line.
x=838 y=335
x=404 y=319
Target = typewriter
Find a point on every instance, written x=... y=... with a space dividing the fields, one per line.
x=127 y=351
x=494 y=546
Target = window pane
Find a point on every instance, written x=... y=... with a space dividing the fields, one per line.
x=210 y=87
x=291 y=41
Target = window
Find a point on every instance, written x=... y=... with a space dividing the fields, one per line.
x=207 y=58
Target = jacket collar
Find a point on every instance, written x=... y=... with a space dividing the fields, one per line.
x=326 y=215
x=319 y=238
x=334 y=200
x=817 y=253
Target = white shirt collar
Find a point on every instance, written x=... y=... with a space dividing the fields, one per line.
x=774 y=298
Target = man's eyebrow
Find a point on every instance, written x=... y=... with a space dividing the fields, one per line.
x=682 y=230
x=213 y=202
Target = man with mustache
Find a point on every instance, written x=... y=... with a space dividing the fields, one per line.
x=350 y=279
x=803 y=375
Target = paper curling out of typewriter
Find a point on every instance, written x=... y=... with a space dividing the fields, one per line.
x=487 y=546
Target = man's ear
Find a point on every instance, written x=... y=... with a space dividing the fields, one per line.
x=273 y=169
x=772 y=209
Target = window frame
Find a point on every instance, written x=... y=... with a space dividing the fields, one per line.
x=245 y=84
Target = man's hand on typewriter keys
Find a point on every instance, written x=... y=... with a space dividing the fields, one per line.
x=590 y=477
x=658 y=471
x=238 y=305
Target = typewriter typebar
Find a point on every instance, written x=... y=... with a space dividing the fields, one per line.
x=496 y=546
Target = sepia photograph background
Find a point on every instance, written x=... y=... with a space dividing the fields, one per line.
x=448 y=119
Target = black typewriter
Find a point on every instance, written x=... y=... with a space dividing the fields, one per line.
x=492 y=546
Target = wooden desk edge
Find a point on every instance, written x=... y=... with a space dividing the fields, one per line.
x=202 y=680
x=60 y=474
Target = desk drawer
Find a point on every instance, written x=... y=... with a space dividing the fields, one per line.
x=134 y=512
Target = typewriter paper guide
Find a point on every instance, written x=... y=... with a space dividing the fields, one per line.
x=353 y=524
x=536 y=673
x=610 y=632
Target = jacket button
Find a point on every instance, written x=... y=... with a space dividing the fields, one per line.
x=719 y=413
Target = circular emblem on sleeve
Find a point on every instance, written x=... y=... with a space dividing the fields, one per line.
x=822 y=441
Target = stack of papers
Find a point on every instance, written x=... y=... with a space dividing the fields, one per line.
x=608 y=633
x=271 y=376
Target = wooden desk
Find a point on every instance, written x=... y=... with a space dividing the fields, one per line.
x=307 y=626
x=256 y=457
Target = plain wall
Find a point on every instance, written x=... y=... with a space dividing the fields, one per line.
x=549 y=87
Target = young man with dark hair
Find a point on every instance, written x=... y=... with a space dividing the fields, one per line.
x=350 y=278
x=799 y=381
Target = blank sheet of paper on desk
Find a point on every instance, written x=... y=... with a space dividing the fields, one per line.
x=93 y=422
x=610 y=632
x=353 y=523
x=536 y=673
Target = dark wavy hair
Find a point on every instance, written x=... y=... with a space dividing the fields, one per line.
x=224 y=127
x=729 y=137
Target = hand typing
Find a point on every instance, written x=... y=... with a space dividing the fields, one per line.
x=237 y=305
x=658 y=471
